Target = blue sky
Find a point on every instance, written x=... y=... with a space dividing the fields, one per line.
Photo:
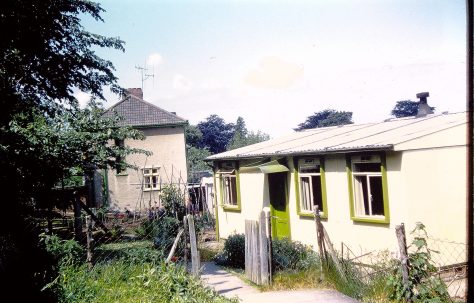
x=277 y=62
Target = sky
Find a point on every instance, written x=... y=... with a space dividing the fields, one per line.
x=274 y=63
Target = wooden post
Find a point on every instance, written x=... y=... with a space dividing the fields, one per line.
x=322 y=254
x=78 y=236
x=248 y=257
x=195 y=264
x=185 y=225
x=270 y=247
x=89 y=241
x=175 y=244
x=404 y=261
x=263 y=249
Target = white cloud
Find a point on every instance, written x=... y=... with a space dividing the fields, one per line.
x=154 y=59
x=82 y=98
x=181 y=83
x=274 y=72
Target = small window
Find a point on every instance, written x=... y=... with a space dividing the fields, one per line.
x=150 y=179
x=229 y=189
x=310 y=189
x=228 y=185
x=367 y=183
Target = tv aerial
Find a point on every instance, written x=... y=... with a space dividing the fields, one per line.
x=144 y=73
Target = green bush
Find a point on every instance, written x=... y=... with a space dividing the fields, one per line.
x=294 y=255
x=121 y=281
x=233 y=254
x=422 y=286
x=62 y=251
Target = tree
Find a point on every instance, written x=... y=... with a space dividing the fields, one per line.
x=242 y=137
x=196 y=163
x=216 y=134
x=45 y=56
x=327 y=117
x=193 y=136
x=406 y=108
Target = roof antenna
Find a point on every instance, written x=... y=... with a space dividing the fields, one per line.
x=144 y=75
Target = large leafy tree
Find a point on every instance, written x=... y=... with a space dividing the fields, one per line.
x=327 y=117
x=406 y=108
x=216 y=134
x=45 y=56
x=242 y=137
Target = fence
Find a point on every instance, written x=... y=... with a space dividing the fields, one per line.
x=258 y=260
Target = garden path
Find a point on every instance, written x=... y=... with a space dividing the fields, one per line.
x=231 y=286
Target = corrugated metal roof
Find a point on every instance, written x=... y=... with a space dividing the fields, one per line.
x=383 y=135
x=139 y=113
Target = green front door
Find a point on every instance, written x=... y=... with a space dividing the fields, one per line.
x=277 y=184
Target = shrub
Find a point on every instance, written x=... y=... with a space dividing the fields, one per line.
x=294 y=255
x=421 y=286
x=233 y=254
x=62 y=251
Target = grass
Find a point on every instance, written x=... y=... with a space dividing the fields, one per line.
x=296 y=279
x=130 y=272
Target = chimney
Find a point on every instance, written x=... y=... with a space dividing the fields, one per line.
x=423 y=107
x=137 y=92
x=174 y=113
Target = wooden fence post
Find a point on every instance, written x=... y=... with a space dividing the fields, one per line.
x=195 y=262
x=270 y=247
x=78 y=235
x=263 y=249
x=322 y=253
x=404 y=261
x=89 y=241
x=185 y=225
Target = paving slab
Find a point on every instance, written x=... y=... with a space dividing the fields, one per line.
x=232 y=286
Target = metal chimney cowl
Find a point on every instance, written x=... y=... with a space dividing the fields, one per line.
x=423 y=107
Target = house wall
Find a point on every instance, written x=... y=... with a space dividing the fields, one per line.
x=169 y=154
x=427 y=186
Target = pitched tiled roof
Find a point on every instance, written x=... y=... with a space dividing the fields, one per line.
x=139 y=113
x=391 y=134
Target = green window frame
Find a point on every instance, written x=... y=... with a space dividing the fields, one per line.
x=368 y=190
x=310 y=186
x=229 y=186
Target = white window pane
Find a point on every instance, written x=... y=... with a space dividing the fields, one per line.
x=305 y=194
x=361 y=195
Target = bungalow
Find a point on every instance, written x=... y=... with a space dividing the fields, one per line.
x=137 y=190
x=365 y=179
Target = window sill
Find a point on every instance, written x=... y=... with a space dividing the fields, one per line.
x=311 y=215
x=377 y=220
x=122 y=174
x=231 y=208
x=147 y=190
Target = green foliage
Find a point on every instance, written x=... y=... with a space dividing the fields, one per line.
x=135 y=252
x=216 y=134
x=195 y=161
x=193 y=136
x=122 y=281
x=293 y=255
x=173 y=201
x=327 y=117
x=233 y=254
x=422 y=286
x=63 y=251
x=242 y=137
x=406 y=108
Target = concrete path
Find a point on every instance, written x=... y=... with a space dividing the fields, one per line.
x=231 y=286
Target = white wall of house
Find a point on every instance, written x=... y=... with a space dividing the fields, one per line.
x=168 y=147
x=424 y=185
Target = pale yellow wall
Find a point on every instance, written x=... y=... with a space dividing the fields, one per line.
x=168 y=148
x=254 y=197
x=423 y=185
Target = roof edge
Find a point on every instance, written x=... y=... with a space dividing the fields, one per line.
x=389 y=147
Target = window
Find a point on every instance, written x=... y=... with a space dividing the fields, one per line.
x=228 y=178
x=368 y=182
x=229 y=189
x=150 y=178
x=311 y=190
